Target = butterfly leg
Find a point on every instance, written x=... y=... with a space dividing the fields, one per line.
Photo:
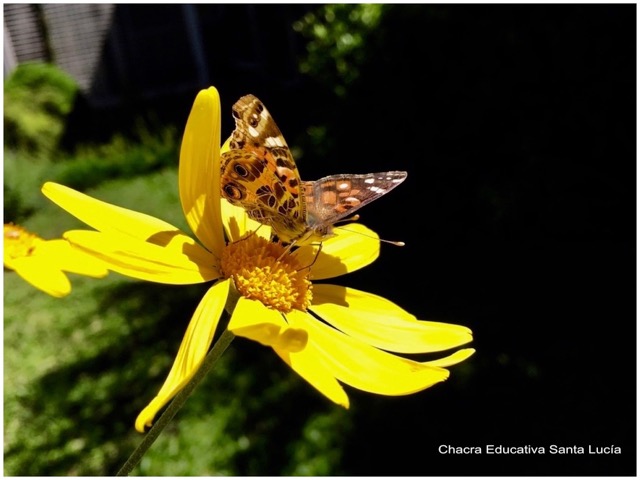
x=315 y=258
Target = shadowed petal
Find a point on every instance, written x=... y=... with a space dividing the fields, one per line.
x=252 y=320
x=237 y=223
x=305 y=363
x=353 y=247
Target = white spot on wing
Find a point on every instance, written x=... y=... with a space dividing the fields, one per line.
x=343 y=186
x=274 y=142
x=369 y=180
x=378 y=190
x=253 y=132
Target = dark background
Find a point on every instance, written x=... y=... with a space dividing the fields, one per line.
x=517 y=126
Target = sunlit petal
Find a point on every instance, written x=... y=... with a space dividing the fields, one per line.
x=105 y=217
x=193 y=349
x=354 y=246
x=147 y=261
x=43 y=263
x=363 y=366
x=199 y=173
x=47 y=278
x=61 y=254
x=381 y=323
x=454 y=358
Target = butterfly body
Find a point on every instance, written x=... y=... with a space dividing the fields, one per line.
x=259 y=174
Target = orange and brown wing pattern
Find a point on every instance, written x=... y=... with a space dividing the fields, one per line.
x=259 y=173
x=332 y=198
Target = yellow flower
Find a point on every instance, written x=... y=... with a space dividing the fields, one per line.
x=42 y=263
x=276 y=305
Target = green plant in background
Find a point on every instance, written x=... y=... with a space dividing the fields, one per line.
x=337 y=36
x=37 y=99
x=120 y=158
x=338 y=39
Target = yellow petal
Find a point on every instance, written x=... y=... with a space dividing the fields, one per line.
x=193 y=349
x=105 y=217
x=363 y=366
x=353 y=247
x=454 y=358
x=237 y=223
x=69 y=259
x=226 y=146
x=381 y=323
x=252 y=320
x=42 y=275
x=146 y=261
x=199 y=173
x=305 y=363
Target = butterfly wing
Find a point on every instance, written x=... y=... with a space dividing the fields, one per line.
x=259 y=173
x=248 y=182
x=332 y=198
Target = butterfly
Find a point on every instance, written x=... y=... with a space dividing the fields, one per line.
x=259 y=174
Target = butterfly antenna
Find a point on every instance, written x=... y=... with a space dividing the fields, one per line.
x=353 y=218
x=391 y=242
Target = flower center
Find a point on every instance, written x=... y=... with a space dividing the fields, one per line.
x=18 y=242
x=261 y=270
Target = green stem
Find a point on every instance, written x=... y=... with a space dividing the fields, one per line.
x=179 y=400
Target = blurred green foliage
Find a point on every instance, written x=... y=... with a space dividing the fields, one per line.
x=337 y=37
x=37 y=99
x=88 y=166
